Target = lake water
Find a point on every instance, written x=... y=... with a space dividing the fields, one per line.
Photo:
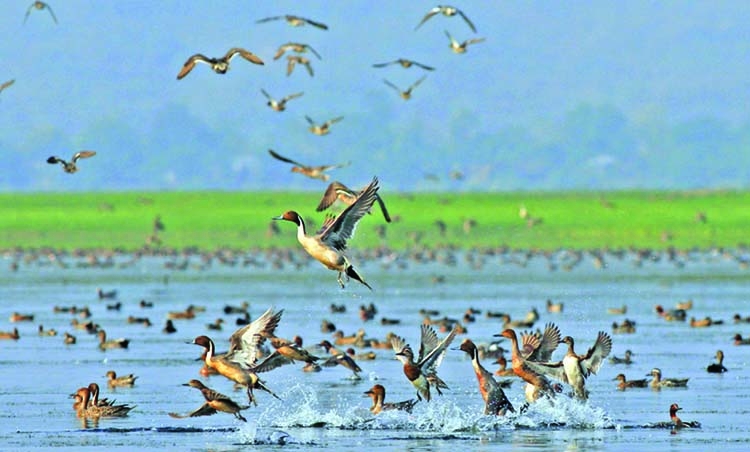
x=328 y=409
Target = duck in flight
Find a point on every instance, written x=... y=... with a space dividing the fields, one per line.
x=294 y=21
x=39 y=6
x=70 y=167
x=314 y=172
x=294 y=47
x=404 y=63
x=405 y=94
x=322 y=129
x=447 y=11
x=293 y=60
x=219 y=65
x=460 y=47
x=279 y=105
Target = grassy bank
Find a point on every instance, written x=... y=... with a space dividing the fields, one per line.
x=241 y=220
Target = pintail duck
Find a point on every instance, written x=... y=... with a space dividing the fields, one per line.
x=215 y=401
x=125 y=380
x=95 y=400
x=219 y=65
x=104 y=344
x=328 y=244
x=672 y=314
x=10 y=334
x=294 y=47
x=39 y=5
x=340 y=359
x=659 y=382
x=293 y=60
x=461 y=47
x=241 y=363
x=404 y=63
x=17 y=317
x=216 y=325
x=294 y=21
x=624 y=383
x=108 y=294
x=535 y=347
x=405 y=94
x=377 y=394
x=705 y=322
x=447 y=11
x=187 y=314
x=6 y=84
x=717 y=367
x=337 y=190
x=292 y=350
x=624 y=360
x=314 y=172
x=89 y=409
x=43 y=332
x=70 y=167
x=495 y=401
x=738 y=340
x=139 y=320
x=422 y=373
x=575 y=368
x=279 y=105
x=679 y=423
x=322 y=129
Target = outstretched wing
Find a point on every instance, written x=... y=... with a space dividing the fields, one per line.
x=292 y=96
x=392 y=85
x=244 y=343
x=554 y=370
x=417 y=82
x=423 y=66
x=320 y=25
x=592 y=361
x=190 y=64
x=83 y=155
x=342 y=228
x=332 y=194
x=268 y=96
x=429 y=15
x=282 y=158
x=268 y=19
x=398 y=343
x=53 y=160
x=249 y=56
x=548 y=342
x=471 y=25
x=431 y=361
x=204 y=410
x=383 y=209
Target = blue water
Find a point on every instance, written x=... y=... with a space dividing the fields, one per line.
x=328 y=409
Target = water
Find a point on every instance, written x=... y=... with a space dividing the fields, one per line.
x=328 y=409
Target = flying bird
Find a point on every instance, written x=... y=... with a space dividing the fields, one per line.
x=294 y=21
x=447 y=11
x=279 y=105
x=405 y=94
x=328 y=244
x=322 y=129
x=218 y=65
x=337 y=190
x=295 y=47
x=70 y=167
x=422 y=373
x=215 y=401
x=404 y=63
x=293 y=60
x=39 y=6
x=460 y=47
x=314 y=172
x=6 y=84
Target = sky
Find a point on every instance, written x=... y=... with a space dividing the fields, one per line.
x=104 y=78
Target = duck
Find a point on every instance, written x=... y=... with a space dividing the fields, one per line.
x=671 y=314
x=659 y=382
x=215 y=402
x=339 y=358
x=216 y=325
x=43 y=332
x=169 y=327
x=187 y=314
x=447 y=11
x=322 y=129
x=219 y=65
x=508 y=323
x=327 y=245
x=705 y=322
x=295 y=47
x=104 y=344
x=105 y=295
x=404 y=63
x=405 y=94
x=294 y=21
x=314 y=172
x=357 y=338
x=292 y=350
x=717 y=367
x=739 y=319
x=422 y=373
x=738 y=340
x=293 y=60
x=71 y=167
x=618 y=311
x=10 y=334
x=89 y=409
x=624 y=360
x=39 y=6
x=280 y=105
x=573 y=369
x=377 y=394
x=554 y=307
x=69 y=339
x=338 y=191
x=503 y=370
x=461 y=47
x=17 y=317
x=679 y=423
x=146 y=304
x=685 y=305
x=89 y=327
x=241 y=363
x=495 y=401
x=626 y=327
x=125 y=380
x=624 y=383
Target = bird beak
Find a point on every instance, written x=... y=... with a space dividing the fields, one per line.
x=280 y=217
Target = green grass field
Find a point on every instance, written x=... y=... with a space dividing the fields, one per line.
x=209 y=220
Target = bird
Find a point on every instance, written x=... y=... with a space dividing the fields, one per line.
x=679 y=423
x=339 y=358
x=87 y=408
x=377 y=394
x=293 y=60
x=624 y=383
x=295 y=47
x=659 y=382
x=219 y=65
x=38 y=5
x=241 y=363
x=291 y=350
x=717 y=367
x=5 y=85
x=337 y=190
x=322 y=129
x=124 y=380
x=405 y=94
x=294 y=21
x=624 y=360
x=404 y=63
x=422 y=373
x=279 y=105
x=328 y=244
x=573 y=369
x=314 y=172
x=447 y=11
x=108 y=294
x=215 y=401
x=70 y=167
x=105 y=344
x=460 y=47
x=495 y=401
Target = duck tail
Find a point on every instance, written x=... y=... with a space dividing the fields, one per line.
x=350 y=272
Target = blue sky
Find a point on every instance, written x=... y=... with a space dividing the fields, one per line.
x=104 y=79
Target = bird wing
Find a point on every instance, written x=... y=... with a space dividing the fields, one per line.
x=552 y=369
x=471 y=25
x=424 y=66
x=7 y=84
x=453 y=41
x=313 y=51
x=391 y=85
x=320 y=25
x=283 y=159
x=428 y=341
x=190 y=64
x=383 y=64
x=244 y=343
x=249 y=56
x=382 y=208
x=280 y=51
x=331 y=195
x=53 y=160
x=271 y=362
x=398 y=343
x=592 y=361
x=83 y=155
x=268 y=96
x=417 y=83
x=529 y=343
x=342 y=228
x=309 y=68
x=474 y=41
x=204 y=410
x=292 y=96
x=549 y=341
x=427 y=16
x=290 y=62
x=268 y=19
x=431 y=361
x=309 y=120
x=334 y=120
